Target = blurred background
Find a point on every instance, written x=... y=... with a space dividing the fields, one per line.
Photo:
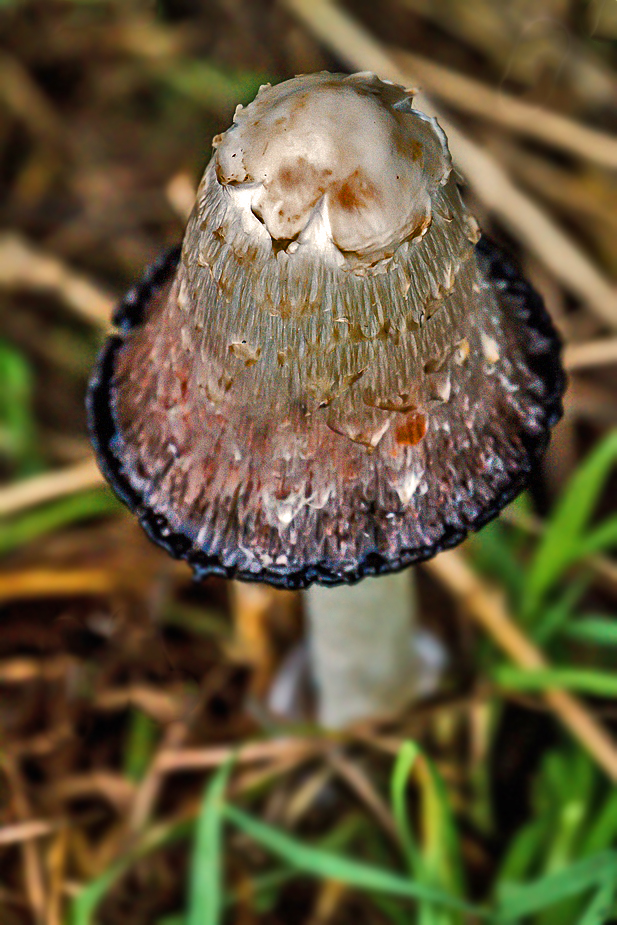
x=125 y=689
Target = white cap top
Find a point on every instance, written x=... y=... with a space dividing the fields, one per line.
x=347 y=161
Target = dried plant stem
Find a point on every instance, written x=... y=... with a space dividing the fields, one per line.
x=201 y=759
x=23 y=266
x=602 y=352
x=360 y=783
x=32 y=863
x=34 y=583
x=487 y=608
x=49 y=486
x=523 y=218
x=26 y=831
x=473 y=96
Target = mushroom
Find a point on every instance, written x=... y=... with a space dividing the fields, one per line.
x=337 y=376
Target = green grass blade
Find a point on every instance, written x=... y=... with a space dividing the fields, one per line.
x=524 y=850
x=583 y=680
x=441 y=857
x=560 y=544
x=140 y=743
x=494 y=553
x=519 y=900
x=88 y=899
x=555 y=618
x=210 y=86
x=331 y=866
x=17 y=422
x=598 y=630
x=599 y=909
x=602 y=831
x=205 y=882
x=405 y=761
x=603 y=538
x=18 y=531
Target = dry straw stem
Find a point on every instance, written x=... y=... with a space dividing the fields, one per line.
x=35 y=583
x=523 y=218
x=201 y=759
x=159 y=705
x=21 y=95
x=487 y=608
x=24 y=670
x=478 y=99
x=170 y=760
x=49 y=486
x=23 y=266
x=112 y=787
x=34 y=878
x=26 y=831
x=601 y=352
x=351 y=773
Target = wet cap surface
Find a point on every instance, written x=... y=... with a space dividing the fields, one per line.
x=300 y=414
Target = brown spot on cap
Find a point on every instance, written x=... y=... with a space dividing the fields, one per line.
x=356 y=192
x=412 y=430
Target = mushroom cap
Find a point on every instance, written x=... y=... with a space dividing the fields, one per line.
x=336 y=377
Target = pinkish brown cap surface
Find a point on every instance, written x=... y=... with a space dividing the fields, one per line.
x=337 y=378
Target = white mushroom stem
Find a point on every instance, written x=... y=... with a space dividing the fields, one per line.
x=363 y=659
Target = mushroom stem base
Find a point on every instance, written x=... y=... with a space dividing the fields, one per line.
x=363 y=659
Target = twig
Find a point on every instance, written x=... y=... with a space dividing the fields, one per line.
x=199 y=759
x=34 y=583
x=523 y=218
x=477 y=98
x=26 y=831
x=487 y=608
x=56 y=869
x=170 y=760
x=157 y=704
x=49 y=486
x=23 y=266
x=601 y=352
x=21 y=94
x=24 y=670
x=360 y=784
x=113 y=787
x=33 y=868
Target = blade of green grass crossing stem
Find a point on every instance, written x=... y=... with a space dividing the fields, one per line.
x=403 y=765
x=205 y=881
x=583 y=680
x=519 y=900
x=596 y=629
x=331 y=866
x=18 y=531
x=561 y=542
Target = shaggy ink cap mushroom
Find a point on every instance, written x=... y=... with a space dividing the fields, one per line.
x=337 y=377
